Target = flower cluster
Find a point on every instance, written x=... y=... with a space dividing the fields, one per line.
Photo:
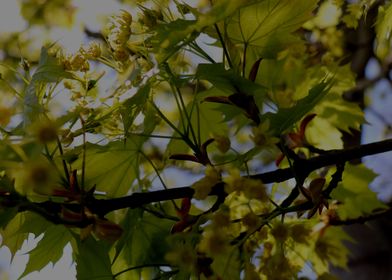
x=74 y=62
x=222 y=143
x=119 y=32
x=204 y=186
x=262 y=136
x=251 y=188
x=92 y=51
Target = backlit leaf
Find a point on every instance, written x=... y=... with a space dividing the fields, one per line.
x=143 y=241
x=384 y=30
x=49 y=249
x=132 y=107
x=354 y=193
x=19 y=227
x=112 y=167
x=285 y=118
x=227 y=266
x=48 y=71
x=265 y=28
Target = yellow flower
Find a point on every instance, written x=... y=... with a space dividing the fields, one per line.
x=45 y=131
x=182 y=256
x=280 y=232
x=300 y=233
x=234 y=182
x=252 y=189
x=251 y=220
x=204 y=186
x=221 y=219
x=5 y=115
x=262 y=135
x=255 y=189
x=214 y=242
x=35 y=176
x=121 y=54
x=222 y=142
x=93 y=51
x=119 y=29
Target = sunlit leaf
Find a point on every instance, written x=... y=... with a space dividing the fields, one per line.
x=329 y=248
x=48 y=71
x=228 y=81
x=112 y=168
x=132 y=107
x=227 y=266
x=144 y=240
x=323 y=135
x=265 y=28
x=354 y=193
x=205 y=120
x=384 y=31
x=340 y=113
x=285 y=118
x=172 y=36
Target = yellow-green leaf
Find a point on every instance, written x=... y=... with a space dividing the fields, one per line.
x=354 y=193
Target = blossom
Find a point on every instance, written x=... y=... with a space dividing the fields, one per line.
x=119 y=29
x=204 y=186
x=262 y=136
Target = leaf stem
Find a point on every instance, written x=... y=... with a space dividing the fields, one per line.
x=84 y=154
x=223 y=45
x=139 y=267
x=244 y=59
x=66 y=173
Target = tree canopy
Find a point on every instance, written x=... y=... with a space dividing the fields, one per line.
x=258 y=104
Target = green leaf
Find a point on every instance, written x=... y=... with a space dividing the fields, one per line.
x=49 y=249
x=340 y=113
x=133 y=106
x=92 y=260
x=354 y=193
x=19 y=227
x=384 y=30
x=6 y=215
x=227 y=266
x=265 y=28
x=143 y=242
x=112 y=168
x=285 y=118
x=11 y=236
x=172 y=36
x=323 y=135
x=329 y=248
x=48 y=71
x=205 y=120
x=228 y=81
x=34 y=223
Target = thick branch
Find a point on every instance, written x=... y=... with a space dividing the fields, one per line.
x=360 y=220
x=302 y=168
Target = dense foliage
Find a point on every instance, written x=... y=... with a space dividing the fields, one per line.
x=92 y=143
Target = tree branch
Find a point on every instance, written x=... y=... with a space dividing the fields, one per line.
x=360 y=220
x=301 y=167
